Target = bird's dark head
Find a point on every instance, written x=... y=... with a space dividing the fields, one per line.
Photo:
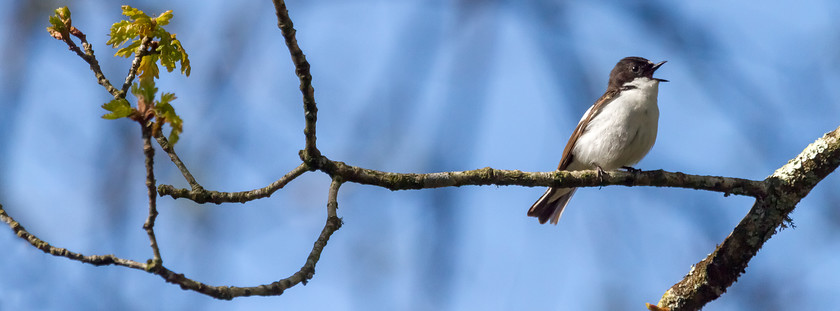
x=630 y=68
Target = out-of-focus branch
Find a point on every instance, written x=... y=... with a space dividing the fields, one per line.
x=709 y=278
x=310 y=153
x=203 y=196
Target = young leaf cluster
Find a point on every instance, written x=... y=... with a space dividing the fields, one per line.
x=165 y=47
x=148 y=109
x=60 y=23
x=161 y=47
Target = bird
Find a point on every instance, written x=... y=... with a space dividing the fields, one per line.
x=616 y=132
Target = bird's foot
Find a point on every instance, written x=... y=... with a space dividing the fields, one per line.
x=601 y=173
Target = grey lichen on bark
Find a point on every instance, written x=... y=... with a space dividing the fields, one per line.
x=709 y=278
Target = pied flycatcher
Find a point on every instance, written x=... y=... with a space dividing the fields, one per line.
x=616 y=132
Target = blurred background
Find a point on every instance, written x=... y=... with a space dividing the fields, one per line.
x=417 y=86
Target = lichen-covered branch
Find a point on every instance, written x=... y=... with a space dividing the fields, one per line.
x=490 y=176
x=710 y=277
x=484 y=176
x=310 y=110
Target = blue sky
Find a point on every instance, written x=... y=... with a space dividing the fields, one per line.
x=418 y=86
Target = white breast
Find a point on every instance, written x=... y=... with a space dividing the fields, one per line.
x=623 y=132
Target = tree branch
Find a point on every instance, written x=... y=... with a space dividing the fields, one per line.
x=96 y=260
x=170 y=150
x=310 y=153
x=710 y=277
x=203 y=196
x=306 y=272
x=141 y=51
x=490 y=176
x=149 y=225
x=90 y=58
x=484 y=176
x=776 y=196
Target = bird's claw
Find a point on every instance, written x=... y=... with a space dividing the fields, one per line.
x=601 y=173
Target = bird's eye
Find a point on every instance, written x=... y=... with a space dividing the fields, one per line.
x=635 y=68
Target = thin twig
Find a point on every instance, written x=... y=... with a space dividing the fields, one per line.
x=170 y=150
x=306 y=272
x=332 y=198
x=203 y=196
x=141 y=51
x=96 y=260
x=332 y=225
x=310 y=153
x=90 y=58
x=149 y=225
x=220 y=292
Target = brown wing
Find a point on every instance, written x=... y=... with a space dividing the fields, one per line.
x=596 y=108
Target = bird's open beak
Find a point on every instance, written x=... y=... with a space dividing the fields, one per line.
x=657 y=67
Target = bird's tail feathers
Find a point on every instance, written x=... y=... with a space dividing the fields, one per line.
x=551 y=204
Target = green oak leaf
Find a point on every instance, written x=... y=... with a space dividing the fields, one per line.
x=138 y=26
x=119 y=108
x=166 y=114
x=163 y=18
